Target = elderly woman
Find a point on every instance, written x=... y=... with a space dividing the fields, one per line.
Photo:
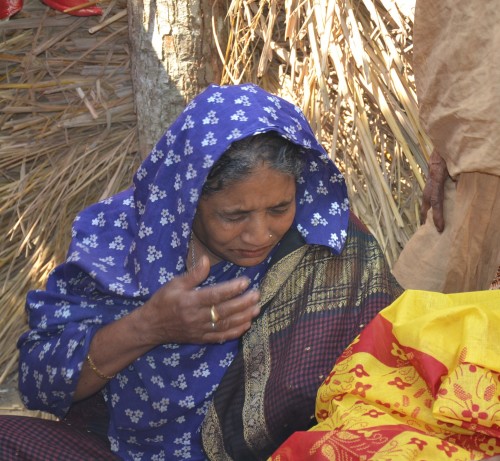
x=208 y=302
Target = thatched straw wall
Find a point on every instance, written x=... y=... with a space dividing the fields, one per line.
x=347 y=63
x=67 y=139
x=67 y=121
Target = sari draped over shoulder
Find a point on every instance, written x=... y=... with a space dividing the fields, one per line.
x=315 y=304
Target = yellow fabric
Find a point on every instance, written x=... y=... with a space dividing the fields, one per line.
x=450 y=327
x=421 y=382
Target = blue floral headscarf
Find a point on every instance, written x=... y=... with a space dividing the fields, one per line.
x=145 y=237
x=126 y=247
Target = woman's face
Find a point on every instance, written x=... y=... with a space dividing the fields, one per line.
x=243 y=222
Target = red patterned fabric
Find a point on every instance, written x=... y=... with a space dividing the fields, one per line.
x=421 y=382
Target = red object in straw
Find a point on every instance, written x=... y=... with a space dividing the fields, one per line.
x=9 y=8
x=64 y=5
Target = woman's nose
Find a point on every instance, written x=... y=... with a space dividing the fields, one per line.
x=257 y=232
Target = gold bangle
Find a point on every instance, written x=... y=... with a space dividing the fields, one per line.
x=97 y=371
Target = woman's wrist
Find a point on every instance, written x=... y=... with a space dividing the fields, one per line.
x=113 y=348
x=144 y=324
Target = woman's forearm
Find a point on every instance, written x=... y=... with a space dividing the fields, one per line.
x=113 y=347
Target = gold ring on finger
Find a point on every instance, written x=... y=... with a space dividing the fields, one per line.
x=214 y=317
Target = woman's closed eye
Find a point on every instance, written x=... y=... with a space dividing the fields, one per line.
x=234 y=217
x=279 y=210
x=241 y=216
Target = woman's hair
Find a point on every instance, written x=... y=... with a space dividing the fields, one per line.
x=243 y=156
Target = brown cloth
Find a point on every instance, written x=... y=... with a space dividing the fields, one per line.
x=457 y=74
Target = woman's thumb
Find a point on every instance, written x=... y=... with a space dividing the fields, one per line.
x=199 y=272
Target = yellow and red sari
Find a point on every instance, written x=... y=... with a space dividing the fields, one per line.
x=421 y=382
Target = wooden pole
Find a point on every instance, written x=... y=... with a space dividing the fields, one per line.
x=173 y=57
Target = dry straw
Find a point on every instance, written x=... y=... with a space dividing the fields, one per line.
x=347 y=64
x=68 y=138
x=67 y=125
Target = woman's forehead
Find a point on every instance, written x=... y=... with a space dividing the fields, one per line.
x=263 y=187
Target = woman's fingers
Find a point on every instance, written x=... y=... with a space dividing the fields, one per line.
x=182 y=312
x=237 y=306
x=230 y=328
x=213 y=294
x=231 y=318
x=236 y=311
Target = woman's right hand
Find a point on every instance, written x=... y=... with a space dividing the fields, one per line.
x=180 y=312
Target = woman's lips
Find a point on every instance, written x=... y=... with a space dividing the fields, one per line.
x=252 y=253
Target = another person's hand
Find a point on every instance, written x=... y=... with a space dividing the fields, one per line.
x=180 y=312
x=433 y=195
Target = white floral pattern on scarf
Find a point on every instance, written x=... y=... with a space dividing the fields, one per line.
x=126 y=247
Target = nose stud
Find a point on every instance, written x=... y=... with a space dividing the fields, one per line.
x=270 y=236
